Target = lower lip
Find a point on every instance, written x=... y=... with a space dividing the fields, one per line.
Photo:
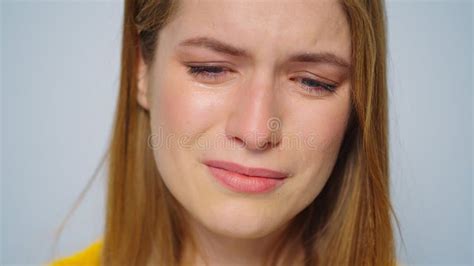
x=242 y=183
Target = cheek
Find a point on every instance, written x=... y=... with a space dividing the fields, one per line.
x=179 y=107
x=179 y=115
x=321 y=124
x=322 y=130
x=324 y=138
x=327 y=130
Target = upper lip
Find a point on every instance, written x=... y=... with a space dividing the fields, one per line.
x=249 y=171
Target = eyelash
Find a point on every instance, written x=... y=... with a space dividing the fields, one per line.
x=206 y=71
x=213 y=72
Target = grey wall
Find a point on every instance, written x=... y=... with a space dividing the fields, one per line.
x=60 y=68
x=431 y=128
x=60 y=65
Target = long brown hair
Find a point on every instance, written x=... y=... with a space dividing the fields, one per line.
x=349 y=223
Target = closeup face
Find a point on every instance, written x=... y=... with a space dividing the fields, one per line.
x=261 y=84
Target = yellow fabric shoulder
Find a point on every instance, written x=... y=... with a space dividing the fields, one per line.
x=90 y=256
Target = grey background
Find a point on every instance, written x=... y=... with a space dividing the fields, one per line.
x=59 y=80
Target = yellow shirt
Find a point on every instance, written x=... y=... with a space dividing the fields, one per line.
x=90 y=256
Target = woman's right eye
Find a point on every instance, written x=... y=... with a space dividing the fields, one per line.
x=212 y=73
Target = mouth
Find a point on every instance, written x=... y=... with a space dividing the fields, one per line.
x=244 y=179
x=247 y=171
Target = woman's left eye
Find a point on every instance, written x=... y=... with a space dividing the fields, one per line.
x=315 y=86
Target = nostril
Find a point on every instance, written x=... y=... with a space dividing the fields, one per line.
x=238 y=141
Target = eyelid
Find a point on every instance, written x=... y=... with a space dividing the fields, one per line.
x=201 y=72
x=320 y=83
x=330 y=86
x=320 y=79
x=224 y=64
x=205 y=66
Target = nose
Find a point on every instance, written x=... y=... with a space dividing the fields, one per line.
x=253 y=121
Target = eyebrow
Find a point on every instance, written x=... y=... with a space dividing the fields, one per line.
x=223 y=48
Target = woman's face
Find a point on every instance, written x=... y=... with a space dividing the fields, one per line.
x=263 y=84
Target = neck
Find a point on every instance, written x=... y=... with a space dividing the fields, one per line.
x=210 y=249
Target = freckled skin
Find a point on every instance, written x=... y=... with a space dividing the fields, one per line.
x=227 y=112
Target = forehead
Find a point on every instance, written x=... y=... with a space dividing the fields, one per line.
x=273 y=27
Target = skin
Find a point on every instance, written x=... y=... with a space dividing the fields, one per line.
x=224 y=115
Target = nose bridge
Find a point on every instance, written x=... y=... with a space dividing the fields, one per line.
x=253 y=120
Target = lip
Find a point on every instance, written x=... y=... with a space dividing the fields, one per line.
x=243 y=179
x=248 y=171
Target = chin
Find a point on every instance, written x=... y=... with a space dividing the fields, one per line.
x=242 y=230
x=241 y=221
